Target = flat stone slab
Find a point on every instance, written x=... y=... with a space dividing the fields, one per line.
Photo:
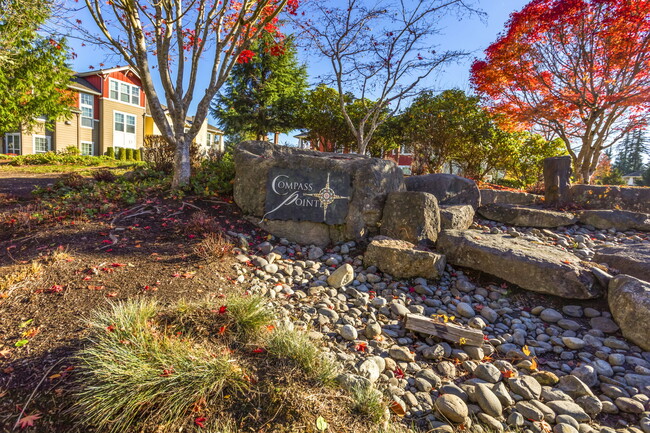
x=629 y=302
x=449 y=189
x=633 y=259
x=534 y=267
x=616 y=219
x=458 y=217
x=526 y=216
x=489 y=196
x=400 y=259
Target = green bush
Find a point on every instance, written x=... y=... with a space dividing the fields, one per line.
x=121 y=154
x=614 y=177
x=71 y=150
x=129 y=154
x=510 y=183
x=214 y=176
x=51 y=158
x=137 y=155
x=110 y=152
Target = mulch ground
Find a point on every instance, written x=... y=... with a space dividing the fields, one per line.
x=85 y=266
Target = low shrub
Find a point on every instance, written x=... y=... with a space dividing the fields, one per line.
x=129 y=154
x=137 y=155
x=104 y=175
x=200 y=222
x=71 y=150
x=73 y=181
x=110 y=152
x=51 y=158
x=214 y=246
x=510 y=183
x=121 y=154
x=214 y=176
x=159 y=154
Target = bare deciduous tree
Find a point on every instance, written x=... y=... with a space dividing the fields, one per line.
x=178 y=40
x=380 y=53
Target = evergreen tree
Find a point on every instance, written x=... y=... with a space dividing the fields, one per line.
x=631 y=152
x=264 y=93
x=34 y=74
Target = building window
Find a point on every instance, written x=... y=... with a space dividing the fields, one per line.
x=210 y=140
x=41 y=143
x=125 y=123
x=87 y=104
x=124 y=92
x=87 y=148
x=405 y=150
x=12 y=143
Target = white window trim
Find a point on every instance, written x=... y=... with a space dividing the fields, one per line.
x=119 y=82
x=49 y=143
x=87 y=142
x=126 y=114
x=20 y=144
x=92 y=110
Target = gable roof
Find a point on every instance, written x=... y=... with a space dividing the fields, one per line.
x=107 y=71
x=81 y=84
x=634 y=174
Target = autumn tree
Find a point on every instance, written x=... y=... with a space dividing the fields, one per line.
x=264 y=94
x=575 y=69
x=379 y=53
x=177 y=40
x=34 y=73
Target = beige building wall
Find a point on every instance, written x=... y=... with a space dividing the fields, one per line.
x=107 y=109
x=27 y=138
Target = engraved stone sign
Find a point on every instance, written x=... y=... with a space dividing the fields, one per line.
x=307 y=195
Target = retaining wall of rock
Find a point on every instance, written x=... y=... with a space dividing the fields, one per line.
x=630 y=198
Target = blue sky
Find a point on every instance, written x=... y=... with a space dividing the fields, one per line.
x=470 y=34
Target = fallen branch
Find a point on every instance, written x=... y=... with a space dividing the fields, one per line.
x=22 y=412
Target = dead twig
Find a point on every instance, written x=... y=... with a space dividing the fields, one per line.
x=22 y=412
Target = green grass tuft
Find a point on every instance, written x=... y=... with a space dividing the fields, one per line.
x=249 y=315
x=368 y=402
x=294 y=345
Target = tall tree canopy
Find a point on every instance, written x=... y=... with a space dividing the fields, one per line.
x=380 y=52
x=578 y=69
x=264 y=94
x=631 y=152
x=177 y=40
x=34 y=74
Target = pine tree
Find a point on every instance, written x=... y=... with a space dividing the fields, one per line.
x=631 y=152
x=264 y=92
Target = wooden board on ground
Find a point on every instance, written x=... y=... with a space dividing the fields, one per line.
x=447 y=331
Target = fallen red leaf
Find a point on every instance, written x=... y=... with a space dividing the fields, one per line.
x=259 y=350
x=222 y=330
x=399 y=373
x=199 y=421
x=28 y=420
x=111 y=294
x=222 y=309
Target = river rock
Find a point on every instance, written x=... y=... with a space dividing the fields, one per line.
x=449 y=189
x=402 y=260
x=452 y=407
x=629 y=302
x=343 y=276
x=534 y=267
x=565 y=407
x=498 y=196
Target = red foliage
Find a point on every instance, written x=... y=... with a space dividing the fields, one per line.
x=580 y=68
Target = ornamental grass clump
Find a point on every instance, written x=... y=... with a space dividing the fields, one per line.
x=136 y=372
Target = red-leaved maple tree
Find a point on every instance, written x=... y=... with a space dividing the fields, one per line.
x=191 y=45
x=576 y=69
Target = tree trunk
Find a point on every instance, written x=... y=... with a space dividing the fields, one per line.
x=182 y=164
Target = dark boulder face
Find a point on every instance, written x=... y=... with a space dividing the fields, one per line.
x=449 y=189
x=411 y=216
x=312 y=197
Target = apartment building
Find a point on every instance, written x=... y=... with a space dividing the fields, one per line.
x=110 y=111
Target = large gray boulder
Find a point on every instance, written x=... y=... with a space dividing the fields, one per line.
x=524 y=216
x=498 y=196
x=370 y=180
x=616 y=219
x=636 y=199
x=458 y=217
x=534 y=267
x=411 y=216
x=631 y=259
x=629 y=302
x=449 y=189
x=401 y=260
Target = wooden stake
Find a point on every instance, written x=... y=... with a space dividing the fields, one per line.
x=447 y=331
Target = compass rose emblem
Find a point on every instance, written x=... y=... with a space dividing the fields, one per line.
x=326 y=196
